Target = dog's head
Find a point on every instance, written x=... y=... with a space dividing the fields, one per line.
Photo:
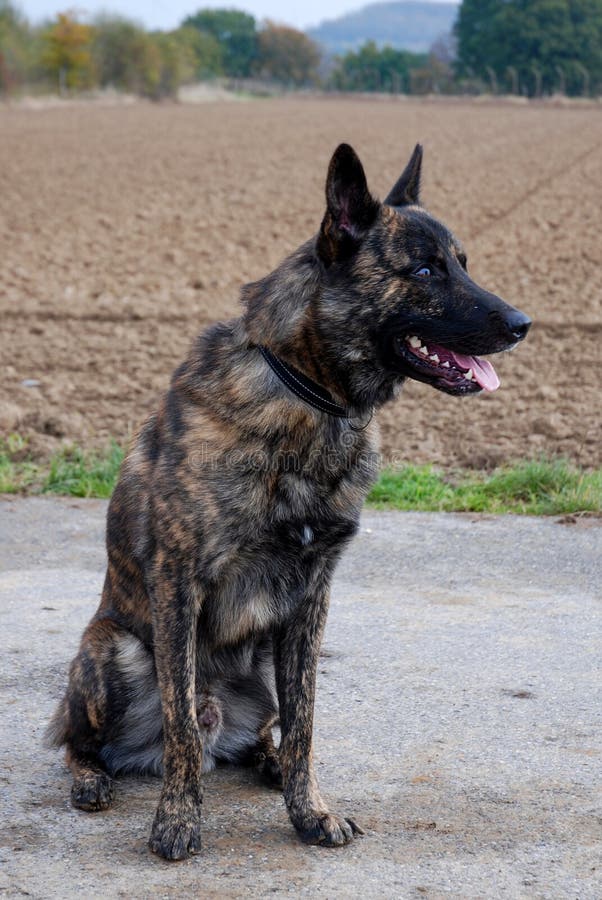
x=396 y=290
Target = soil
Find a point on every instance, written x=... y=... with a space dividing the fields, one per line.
x=125 y=230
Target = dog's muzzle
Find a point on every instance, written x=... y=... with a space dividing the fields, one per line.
x=459 y=373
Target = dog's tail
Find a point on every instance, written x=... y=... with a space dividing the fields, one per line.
x=57 y=730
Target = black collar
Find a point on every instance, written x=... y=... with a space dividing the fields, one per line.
x=304 y=387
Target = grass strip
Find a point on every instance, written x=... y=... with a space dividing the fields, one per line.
x=18 y=473
x=84 y=474
x=534 y=487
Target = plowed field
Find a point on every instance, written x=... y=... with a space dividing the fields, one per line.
x=125 y=230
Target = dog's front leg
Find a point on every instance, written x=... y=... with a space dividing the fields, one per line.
x=296 y=649
x=176 y=830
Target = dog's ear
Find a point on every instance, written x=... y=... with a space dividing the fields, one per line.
x=350 y=207
x=406 y=189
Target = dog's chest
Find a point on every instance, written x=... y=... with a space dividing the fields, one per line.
x=269 y=571
x=279 y=528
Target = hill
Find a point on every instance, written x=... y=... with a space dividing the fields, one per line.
x=407 y=25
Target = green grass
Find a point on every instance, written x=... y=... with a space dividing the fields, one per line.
x=84 y=474
x=536 y=487
x=71 y=471
x=17 y=472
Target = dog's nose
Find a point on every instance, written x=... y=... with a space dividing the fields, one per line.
x=511 y=324
x=517 y=324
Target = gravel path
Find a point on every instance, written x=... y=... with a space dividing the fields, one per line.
x=458 y=719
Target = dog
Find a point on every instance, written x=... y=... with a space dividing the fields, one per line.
x=238 y=496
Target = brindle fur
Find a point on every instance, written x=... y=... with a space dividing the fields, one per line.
x=232 y=508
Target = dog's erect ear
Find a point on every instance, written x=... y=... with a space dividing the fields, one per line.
x=407 y=187
x=350 y=207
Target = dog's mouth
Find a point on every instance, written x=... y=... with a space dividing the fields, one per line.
x=445 y=370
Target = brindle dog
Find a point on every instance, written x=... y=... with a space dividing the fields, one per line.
x=237 y=497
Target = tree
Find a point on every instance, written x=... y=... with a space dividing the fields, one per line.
x=287 y=55
x=14 y=47
x=442 y=55
x=542 y=44
x=206 y=51
x=186 y=54
x=235 y=32
x=66 y=54
x=131 y=59
x=445 y=49
x=124 y=55
x=374 y=69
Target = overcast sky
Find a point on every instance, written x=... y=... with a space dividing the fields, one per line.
x=166 y=14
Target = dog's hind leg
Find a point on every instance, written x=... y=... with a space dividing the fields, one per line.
x=266 y=760
x=85 y=713
x=92 y=787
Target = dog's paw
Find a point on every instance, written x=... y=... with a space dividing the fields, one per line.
x=92 y=792
x=269 y=770
x=175 y=837
x=327 y=830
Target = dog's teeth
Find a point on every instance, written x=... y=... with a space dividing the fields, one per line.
x=434 y=357
x=423 y=350
x=445 y=365
x=468 y=375
x=414 y=342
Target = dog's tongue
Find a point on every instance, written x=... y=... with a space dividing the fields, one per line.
x=482 y=370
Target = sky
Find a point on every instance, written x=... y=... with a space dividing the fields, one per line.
x=167 y=14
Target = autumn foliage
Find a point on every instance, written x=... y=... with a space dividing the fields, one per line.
x=113 y=51
x=66 y=54
x=287 y=55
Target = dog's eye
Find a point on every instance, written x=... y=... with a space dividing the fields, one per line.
x=423 y=272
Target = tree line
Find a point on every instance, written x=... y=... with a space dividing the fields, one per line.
x=519 y=46
x=112 y=51
x=531 y=47
x=526 y=47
